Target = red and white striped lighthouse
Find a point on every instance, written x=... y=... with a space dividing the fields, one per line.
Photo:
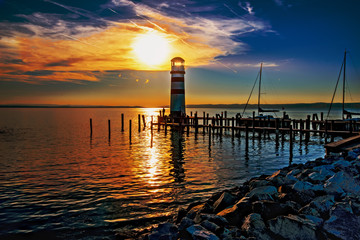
x=177 y=100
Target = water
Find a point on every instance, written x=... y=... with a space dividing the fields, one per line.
x=57 y=182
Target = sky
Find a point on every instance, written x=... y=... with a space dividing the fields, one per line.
x=118 y=52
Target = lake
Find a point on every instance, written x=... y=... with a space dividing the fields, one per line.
x=56 y=181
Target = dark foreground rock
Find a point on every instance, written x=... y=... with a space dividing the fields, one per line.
x=316 y=200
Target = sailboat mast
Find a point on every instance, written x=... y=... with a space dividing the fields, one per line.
x=259 y=90
x=343 y=102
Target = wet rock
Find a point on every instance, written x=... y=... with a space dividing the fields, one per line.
x=236 y=213
x=212 y=227
x=232 y=233
x=181 y=213
x=271 y=209
x=218 y=220
x=225 y=200
x=343 y=223
x=346 y=182
x=332 y=188
x=341 y=164
x=198 y=209
x=258 y=183
x=263 y=193
x=254 y=226
x=301 y=186
x=198 y=232
x=316 y=220
x=164 y=231
x=293 y=227
x=352 y=155
x=185 y=223
x=321 y=175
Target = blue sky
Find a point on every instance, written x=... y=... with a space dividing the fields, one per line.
x=81 y=52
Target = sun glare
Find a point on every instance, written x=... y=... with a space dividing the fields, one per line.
x=151 y=48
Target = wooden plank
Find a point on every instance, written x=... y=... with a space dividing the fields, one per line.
x=342 y=145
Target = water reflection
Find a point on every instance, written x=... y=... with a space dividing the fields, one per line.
x=177 y=155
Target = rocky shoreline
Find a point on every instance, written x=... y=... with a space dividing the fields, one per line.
x=316 y=200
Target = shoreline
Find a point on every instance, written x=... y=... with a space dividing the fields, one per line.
x=319 y=199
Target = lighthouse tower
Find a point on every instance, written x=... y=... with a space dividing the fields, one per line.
x=177 y=100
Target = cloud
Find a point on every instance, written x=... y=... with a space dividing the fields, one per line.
x=75 y=44
x=247 y=7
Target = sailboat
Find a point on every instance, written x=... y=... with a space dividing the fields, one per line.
x=346 y=113
x=260 y=110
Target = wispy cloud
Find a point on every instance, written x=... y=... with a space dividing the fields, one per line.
x=247 y=7
x=86 y=42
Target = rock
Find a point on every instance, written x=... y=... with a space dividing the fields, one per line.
x=304 y=174
x=343 y=223
x=316 y=220
x=212 y=227
x=236 y=213
x=326 y=167
x=341 y=164
x=225 y=200
x=321 y=175
x=164 y=231
x=218 y=220
x=185 y=223
x=198 y=209
x=263 y=193
x=301 y=186
x=232 y=233
x=334 y=189
x=254 y=183
x=352 y=155
x=181 y=213
x=198 y=232
x=293 y=227
x=346 y=182
x=270 y=209
x=254 y=226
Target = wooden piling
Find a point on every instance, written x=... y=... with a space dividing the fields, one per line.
x=291 y=138
x=326 y=131
x=139 y=122
x=210 y=135
x=301 y=128
x=165 y=118
x=246 y=135
x=109 y=129
x=91 y=128
x=188 y=125
x=122 y=122
x=232 y=127
x=130 y=131
x=307 y=126
x=144 y=122
x=158 y=123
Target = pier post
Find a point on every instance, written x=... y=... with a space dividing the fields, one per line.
x=253 y=122
x=326 y=130
x=90 y=127
x=130 y=131
x=139 y=122
x=246 y=135
x=122 y=122
x=158 y=123
x=307 y=134
x=210 y=134
x=196 y=124
x=109 y=129
x=232 y=127
x=204 y=122
x=187 y=125
x=322 y=116
x=207 y=119
x=165 y=118
x=144 y=122
x=301 y=128
x=221 y=125
x=291 y=138
x=151 y=124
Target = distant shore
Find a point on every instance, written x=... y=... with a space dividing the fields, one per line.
x=319 y=105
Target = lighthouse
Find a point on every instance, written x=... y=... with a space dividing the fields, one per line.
x=177 y=99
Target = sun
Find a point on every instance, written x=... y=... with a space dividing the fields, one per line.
x=151 y=48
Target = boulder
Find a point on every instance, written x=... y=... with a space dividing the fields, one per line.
x=164 y=231
x=218 y=220
x=263 y=193
x=343 y=223
x=301 y=186
x=185 y=223
x=293 y=227
x=198 y=209
x=225 y=200
x=271 y=209
x=232 y=233
x=198 y=232
x=236 y=213
x=341 y=164
x=212 y=227
x=254 y=226
x=254 y=183
x=321 y=175
x=346 y=182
